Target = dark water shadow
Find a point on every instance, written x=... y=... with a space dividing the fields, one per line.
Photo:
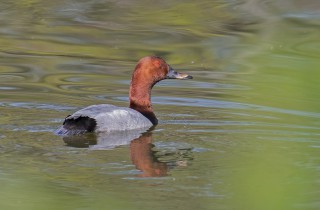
x=152 y=161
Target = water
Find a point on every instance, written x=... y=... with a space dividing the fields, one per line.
x=243 y=134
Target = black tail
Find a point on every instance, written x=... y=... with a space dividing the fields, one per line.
x=76 y=126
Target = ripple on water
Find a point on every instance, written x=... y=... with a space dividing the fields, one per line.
x=173 y=153
x=5 y=78
x=27 y=105
x=81 y=66
x=219 y=104
x=308 y=47
x=8 y=88
x=204 y=85
x=307 y=41
x=305 y=18
x=80 y=82
x=19 y=73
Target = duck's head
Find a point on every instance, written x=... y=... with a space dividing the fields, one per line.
x=154 y=69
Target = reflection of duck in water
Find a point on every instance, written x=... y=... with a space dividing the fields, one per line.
x=151 y=161
x=143 y=157
x=108 y=118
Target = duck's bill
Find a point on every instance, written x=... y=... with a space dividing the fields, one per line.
x=176 y=75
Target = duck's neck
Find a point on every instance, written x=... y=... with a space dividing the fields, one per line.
x=140 y=100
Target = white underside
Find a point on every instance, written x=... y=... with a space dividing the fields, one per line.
x=112 y=118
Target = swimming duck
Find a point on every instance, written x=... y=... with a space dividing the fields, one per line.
x=107 y=118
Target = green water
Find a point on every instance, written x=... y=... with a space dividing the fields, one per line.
x=243 y=134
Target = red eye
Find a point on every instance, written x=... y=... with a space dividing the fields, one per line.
x=157 y=63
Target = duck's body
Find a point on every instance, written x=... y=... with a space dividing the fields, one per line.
x=103 y=118
x=108 y=118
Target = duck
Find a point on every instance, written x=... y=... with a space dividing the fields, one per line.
x=109 y=118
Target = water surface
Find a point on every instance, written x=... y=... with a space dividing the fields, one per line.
x=243 y=134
